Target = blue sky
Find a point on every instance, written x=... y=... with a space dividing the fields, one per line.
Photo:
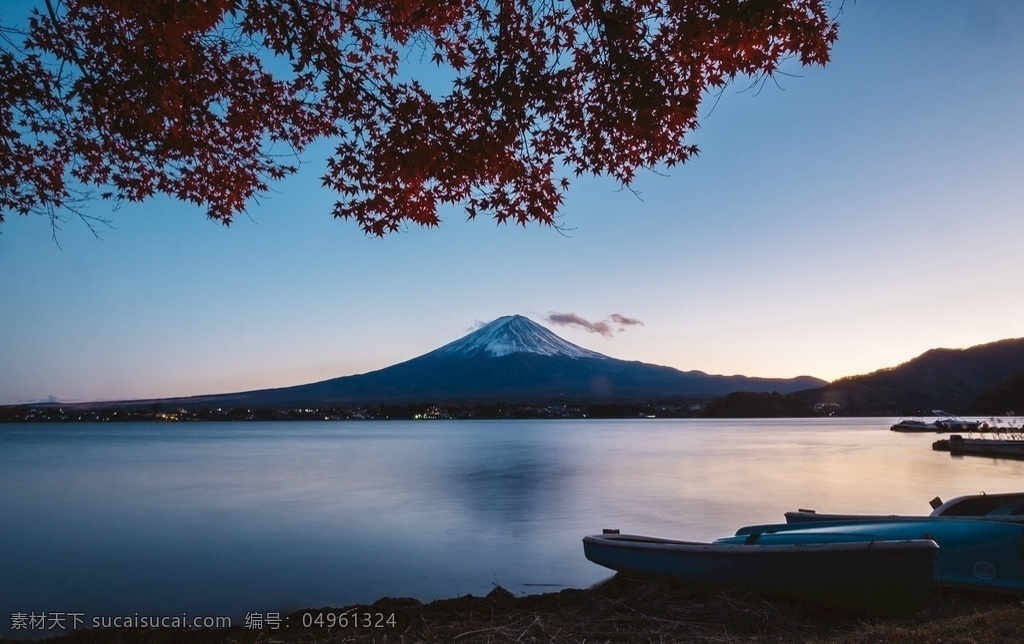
x=846 y=221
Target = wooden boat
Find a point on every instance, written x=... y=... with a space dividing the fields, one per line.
x=957 y=445
x=877 y=576
x=980 y=555
x=997 y=507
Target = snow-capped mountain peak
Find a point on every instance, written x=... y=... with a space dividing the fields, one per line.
x=514 y=334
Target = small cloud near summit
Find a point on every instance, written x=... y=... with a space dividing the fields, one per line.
x=571 y=319
x=603 y=327
x=623 y=321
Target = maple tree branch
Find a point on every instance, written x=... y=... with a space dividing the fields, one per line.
x=7 y=39
x=92 y=222
x=188 y=100
x=67 y=42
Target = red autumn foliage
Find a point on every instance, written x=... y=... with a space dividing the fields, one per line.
x=209 y=100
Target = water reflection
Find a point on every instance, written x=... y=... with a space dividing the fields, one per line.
x=508 y=482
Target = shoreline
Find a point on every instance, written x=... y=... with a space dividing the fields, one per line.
x=617 y=610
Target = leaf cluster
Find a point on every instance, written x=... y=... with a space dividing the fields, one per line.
x=210 y=100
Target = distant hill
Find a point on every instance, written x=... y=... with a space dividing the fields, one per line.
x=745 y=404
x=511 y=359
x=1006 y=398
x=949 y=379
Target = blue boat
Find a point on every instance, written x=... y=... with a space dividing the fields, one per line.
x=861 y=573
x=1006 y=506
x=975 y=554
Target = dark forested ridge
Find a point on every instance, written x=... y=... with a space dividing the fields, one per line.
x=980 y=380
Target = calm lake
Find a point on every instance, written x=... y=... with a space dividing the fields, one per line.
x=210 y=519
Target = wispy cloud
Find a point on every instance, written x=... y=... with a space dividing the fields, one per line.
x=623 y=321
x=602 y=327
x=571 y=319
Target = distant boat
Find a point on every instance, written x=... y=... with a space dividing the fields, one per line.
x=992 y=447
x=1002 y=507
x=914 y=425
x=859 y=572
x=979 y=555
x=945 y=422
x=950 y=423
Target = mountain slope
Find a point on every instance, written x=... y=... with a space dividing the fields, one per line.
x=949 y=379
x=511 y=359
x=1006 y=398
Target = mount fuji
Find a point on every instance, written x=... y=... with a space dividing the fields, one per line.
x=510 y=360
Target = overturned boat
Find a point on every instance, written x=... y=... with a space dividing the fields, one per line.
x=854 y=572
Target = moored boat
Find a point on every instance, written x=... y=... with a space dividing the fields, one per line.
x=974 y=554
x=914 y=425
x=957 y=445
x=877 y=576
x=949 y=423
x=944 y=422
x=1008 y=506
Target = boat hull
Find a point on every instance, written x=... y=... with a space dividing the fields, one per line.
x=974 y=554
x=915 y=426
x=1008 y=506
x=945 y=422
x=990 y=447
x=876 y=577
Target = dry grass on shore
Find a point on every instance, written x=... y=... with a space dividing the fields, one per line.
x=621 y=611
